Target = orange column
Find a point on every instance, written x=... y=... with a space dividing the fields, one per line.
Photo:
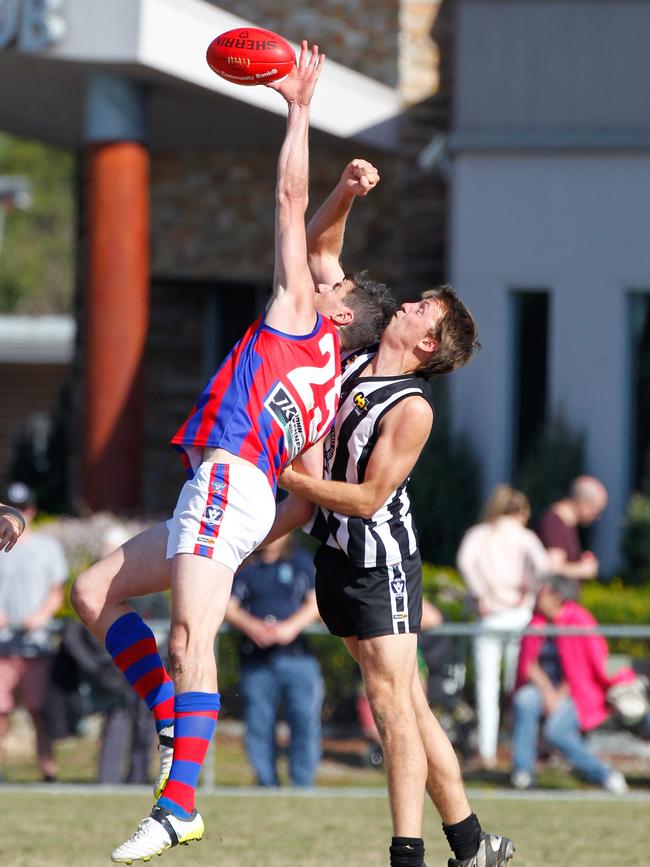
x=117 y=315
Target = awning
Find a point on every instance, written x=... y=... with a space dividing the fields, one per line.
x=162 y=43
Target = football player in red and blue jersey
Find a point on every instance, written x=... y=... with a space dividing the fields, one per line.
x=275 y=395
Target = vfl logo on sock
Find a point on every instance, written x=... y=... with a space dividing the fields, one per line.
x=212 y=515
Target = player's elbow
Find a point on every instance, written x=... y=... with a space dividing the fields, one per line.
x=370 y=504
x=290 y=199
x=303 y=512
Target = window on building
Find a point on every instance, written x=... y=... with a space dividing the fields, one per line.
x=639 y=343
x=229 y=310
x=530 y=320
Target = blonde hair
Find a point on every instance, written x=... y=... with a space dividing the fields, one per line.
x=505 y=500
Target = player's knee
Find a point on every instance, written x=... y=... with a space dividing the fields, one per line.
x=181 y=655
x=391 y=704
x=85 y=598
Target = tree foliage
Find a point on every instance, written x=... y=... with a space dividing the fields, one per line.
x=444 y=489
x=635 y=541
x=555 y=458
x=37 y=255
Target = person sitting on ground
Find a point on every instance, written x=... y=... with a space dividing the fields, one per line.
x=563 y=680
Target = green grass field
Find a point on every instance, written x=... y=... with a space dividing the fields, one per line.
x=60 y=828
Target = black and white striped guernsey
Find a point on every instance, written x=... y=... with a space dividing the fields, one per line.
x=389 y=536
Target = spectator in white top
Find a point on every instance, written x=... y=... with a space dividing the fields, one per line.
x=31 y=592
x=502 y=563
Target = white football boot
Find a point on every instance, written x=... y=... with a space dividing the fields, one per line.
x=166 y=756
x=159 y=831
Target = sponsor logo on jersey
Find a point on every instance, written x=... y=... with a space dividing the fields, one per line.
x=284 y=410
x=212 y=515
x=329 y=446
x=361 y=401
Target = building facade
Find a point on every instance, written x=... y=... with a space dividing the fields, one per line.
x=550 y=229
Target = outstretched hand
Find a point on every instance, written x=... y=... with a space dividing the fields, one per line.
x=360 y=177
x=298 y=87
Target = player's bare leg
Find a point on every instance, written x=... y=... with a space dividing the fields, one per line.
x=136 y=568
x=444 y=782
x=388 y=664
x=444 y=779
x=200 y=594
x=99 y=596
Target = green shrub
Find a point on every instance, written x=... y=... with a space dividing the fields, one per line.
x=444 y=586
x=635 y=541
x=444 y=489
x=554 y=459
x=615 y=603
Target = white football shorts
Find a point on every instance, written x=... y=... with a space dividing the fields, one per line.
x=223 y=513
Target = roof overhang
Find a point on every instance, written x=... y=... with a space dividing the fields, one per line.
x=37 y=339
x=162 y=43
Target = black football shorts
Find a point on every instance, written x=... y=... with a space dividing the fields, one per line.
x=383 y=600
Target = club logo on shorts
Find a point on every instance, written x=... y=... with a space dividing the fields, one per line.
x=212 y=515
x=284 y=410
x=361 y=401
x=398 y=586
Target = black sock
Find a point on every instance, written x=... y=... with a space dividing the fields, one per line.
x=464 y=837
x=407 y=852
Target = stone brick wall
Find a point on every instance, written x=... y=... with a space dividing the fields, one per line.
x=213 y=213
x=427 y=33
x=419 y=50
x=173 y=380
x=361 y=34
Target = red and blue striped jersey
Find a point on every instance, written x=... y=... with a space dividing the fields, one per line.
x=275 y=395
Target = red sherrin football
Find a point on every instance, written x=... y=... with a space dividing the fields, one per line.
x=249 y=55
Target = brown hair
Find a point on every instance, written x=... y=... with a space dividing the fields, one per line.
x=456 y=334
x=505 y=500
x=373 y=306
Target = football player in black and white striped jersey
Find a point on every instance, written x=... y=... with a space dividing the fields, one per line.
x=368 y=569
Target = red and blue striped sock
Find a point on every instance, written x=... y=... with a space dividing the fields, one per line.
x=195 y=718
x=134 y=650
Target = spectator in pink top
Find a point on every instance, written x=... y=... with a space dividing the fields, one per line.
x=502 y=563
x=558 y=528
x=563 y=681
